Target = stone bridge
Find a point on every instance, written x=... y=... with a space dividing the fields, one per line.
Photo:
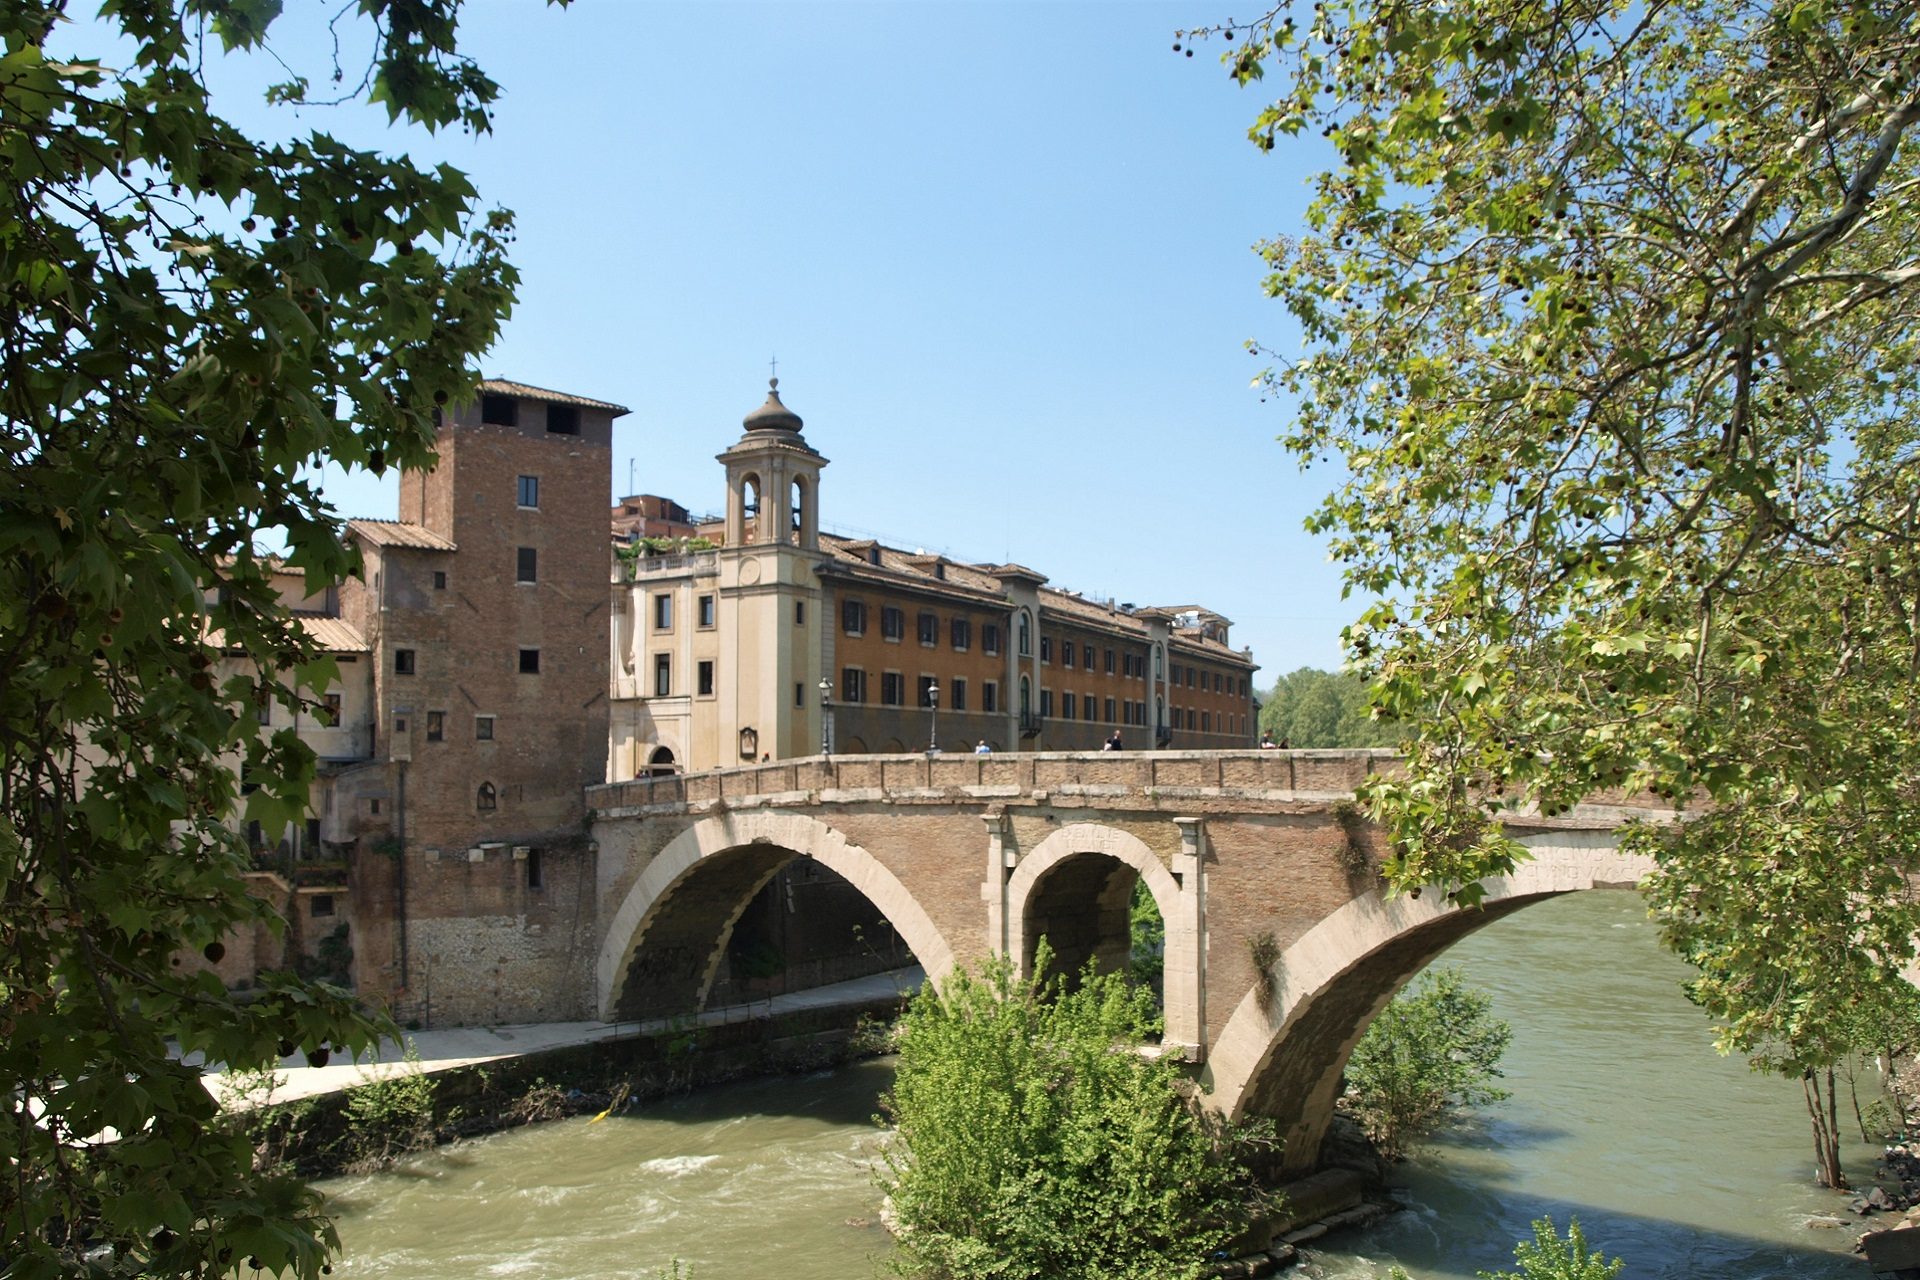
x=1251 y=856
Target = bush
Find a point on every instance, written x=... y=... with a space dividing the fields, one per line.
x=1432 y=1051
x=1548 y=1257
x=1035 y=1141
x=391 y=1116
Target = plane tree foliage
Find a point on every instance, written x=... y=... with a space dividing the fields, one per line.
x=1607 y=307
x=192 y=317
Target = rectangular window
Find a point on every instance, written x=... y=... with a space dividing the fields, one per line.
x=263 y=705
x=929 y=629
x=1189 y=717
x=313 y=838
x=563 y=420
x=959 y=702
x=990 y=638
x=320 y=905
x=499 y=411
x=1046 y=648
x=1046 y=703
x=799 y=613
x=439 y=579
x=960 y=634
x=529 y=662
x=1109 y=662
x=403 y=662
x=799 y=694
x=926 y=690
x=706 y=611
x=1066 y=654
x=893 y=689
x=529 y=492
x=893 y=623
x=990 y=696
x=1066 y=705
x=662 y=675
x=704 y=676
x=853 y=617
x=1206 y=722
x=1087 y=654
x=329 y=710
x=1110 y=709
x=527 y=566
x=663 y=613
x=436 y=726
x=535 y=878
x=483 y=728
x=853 y=685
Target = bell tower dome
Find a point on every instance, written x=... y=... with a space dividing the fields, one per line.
x=773 y=480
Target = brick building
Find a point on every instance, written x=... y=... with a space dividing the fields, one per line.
x=780 y=640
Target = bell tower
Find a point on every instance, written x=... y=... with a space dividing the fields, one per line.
x=771 y=600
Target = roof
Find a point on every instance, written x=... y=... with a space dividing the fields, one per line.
x=400 y=533
x=526 y=391
x=773 y=415
x=335 y=635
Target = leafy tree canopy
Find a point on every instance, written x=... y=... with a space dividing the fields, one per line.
x=192 y=317
x=1608 y=309
x=1315 y=708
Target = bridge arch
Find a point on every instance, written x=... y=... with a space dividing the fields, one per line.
x=1285 y=1059
x=666 y=938
x=1067 y=869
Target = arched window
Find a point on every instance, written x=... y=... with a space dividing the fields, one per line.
x=660 y=763
x=1159 y=661
x=486 y=799
x=796 y=532
x=749 y=509
x=1026 y=637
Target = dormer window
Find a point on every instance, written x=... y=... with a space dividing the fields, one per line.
x=499 y=411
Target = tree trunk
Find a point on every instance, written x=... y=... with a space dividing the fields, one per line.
x=1824 y=1111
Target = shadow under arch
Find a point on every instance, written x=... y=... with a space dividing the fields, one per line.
x=1070 y=889
x=667 y=937
x=1284 y=1060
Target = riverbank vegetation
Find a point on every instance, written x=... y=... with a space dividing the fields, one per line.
x=1314 y=708
x=1609 y=312
x=1034 y=1138
x=1433 y=1051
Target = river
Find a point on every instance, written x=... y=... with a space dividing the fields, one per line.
x=1683 y=1163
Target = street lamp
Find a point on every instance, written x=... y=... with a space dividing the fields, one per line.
x=826 y=717
x=933 y=716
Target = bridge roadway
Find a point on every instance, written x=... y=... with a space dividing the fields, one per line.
x=1281 y=945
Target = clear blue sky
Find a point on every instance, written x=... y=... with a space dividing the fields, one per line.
x=1003 y=253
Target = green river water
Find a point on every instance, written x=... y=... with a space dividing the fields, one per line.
x=1681 y=1162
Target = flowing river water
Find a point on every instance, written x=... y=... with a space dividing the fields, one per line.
x=1683 y=1163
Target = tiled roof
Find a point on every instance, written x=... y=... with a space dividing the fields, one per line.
x=504 y=387
x=335 y=635
x=400 y=533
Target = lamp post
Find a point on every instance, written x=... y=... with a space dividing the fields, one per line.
x=933 y=716
x=826 y=717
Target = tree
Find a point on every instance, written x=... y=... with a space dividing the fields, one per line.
x=1548 y=1257
x=1035 y=1140
x=1432 y=1051
x=192 y=318
x=1314 y=708
x=1608 y=309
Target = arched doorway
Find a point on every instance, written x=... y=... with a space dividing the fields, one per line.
x=660 y=763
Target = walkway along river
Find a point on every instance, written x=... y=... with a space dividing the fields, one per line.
x=1683 y=1163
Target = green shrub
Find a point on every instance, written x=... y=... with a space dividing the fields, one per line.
x=1432 y=1051
x=1548 y=1257
x=1035 y=1141
x=391 y=1116
x=1146 y=959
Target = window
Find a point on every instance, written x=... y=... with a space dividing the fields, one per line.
x=893 y=623
x=313 y=837
x=527 y=567
x=706 y=611
x=529 y=662
x=663 y=613
x=483 y=728
x=486 y=799
x=704 y=677
x=960 y=634
x=1066 y=654
x=535 y=880
x=1087 y=654
x=929 y=629
x=1206 y=722
x=1109 y=662
x=990 y=696
x=403 y=662
x=263 y=705
x=1046 y=648
x=563 y=420
x=853 y=685
x=853 y=617
x=499 y=411
x=1066 y=705
x=959 y=699
x=1109 y=716
x=1189 y=717
x=1046 y=703
x=436 y=726
x=439 y=579
x=1026 y=634
x=990 y=638
x=799 y=694
x=799 y=613
x=927 y=686
x=662 y=675
x=529 y=492
x=320 y=905
x=893 y=689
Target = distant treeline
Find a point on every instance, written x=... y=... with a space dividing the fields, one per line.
x=1314 y=708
